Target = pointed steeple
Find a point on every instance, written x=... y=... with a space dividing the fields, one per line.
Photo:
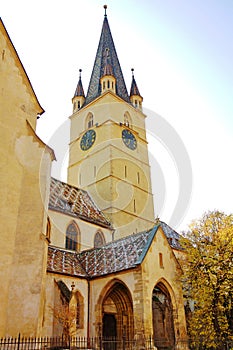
x=79 y=89
x=79 y=96
x=106 y=44
x=135 y=97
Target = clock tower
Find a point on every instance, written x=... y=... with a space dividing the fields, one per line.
x=108 y=154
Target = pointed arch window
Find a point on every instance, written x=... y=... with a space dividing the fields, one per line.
x=72 y=237
x=89 y=121
x=99 y=239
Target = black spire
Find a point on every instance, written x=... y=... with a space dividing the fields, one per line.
x=106 y=44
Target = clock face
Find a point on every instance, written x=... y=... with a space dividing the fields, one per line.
x=129 y=139
x=87 y=140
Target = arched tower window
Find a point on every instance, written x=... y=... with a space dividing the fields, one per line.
x=72 y=237
x=99 y=239
x=127 y=120
x=89 y=121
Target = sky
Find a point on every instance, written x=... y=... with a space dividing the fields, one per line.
x=182 y=54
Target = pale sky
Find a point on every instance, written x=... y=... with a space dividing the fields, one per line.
x=182 y=55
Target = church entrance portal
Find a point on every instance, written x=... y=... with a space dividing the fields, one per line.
x=163 y=325
x=109 y=326
x=117 y=313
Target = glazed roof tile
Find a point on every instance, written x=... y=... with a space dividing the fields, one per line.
x=65 y=262
x=172 y=236
x=76 y=202
x=116 y=256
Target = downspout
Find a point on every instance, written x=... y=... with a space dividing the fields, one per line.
x=88 y=313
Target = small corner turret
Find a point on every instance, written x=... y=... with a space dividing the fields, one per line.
x=79 y=96
x=135 y=97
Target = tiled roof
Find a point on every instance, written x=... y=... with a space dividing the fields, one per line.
x=106 y=46
x=65 y=262
x=76 y=202
x=114 y=257
x=118 y=255
x=172 y=236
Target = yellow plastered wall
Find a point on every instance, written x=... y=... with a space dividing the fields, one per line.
x=24 y=182
x=60 y=222
x=169 y=274
x=118 y=178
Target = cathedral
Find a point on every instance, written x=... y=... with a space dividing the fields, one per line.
x=86 y=256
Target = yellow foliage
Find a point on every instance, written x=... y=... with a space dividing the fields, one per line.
x=208 y=279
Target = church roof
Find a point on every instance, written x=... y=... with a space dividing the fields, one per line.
x=116 y=256
x=73 y=201
x=173 y=237
x=106 y=52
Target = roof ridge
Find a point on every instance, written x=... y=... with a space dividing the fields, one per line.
x=126 y=238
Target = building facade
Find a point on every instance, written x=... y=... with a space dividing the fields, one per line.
x=84 y=257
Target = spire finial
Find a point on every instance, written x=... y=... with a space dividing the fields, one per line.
x=105 y=12
x=80 y=71
x=132 y=70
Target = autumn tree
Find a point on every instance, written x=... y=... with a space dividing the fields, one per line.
x=64 y=311
x=208 y=280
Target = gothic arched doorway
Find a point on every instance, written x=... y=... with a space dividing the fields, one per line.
x=109 y=326
x=162 y=312
x=117 y=312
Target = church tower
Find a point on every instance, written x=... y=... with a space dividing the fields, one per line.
x=108 y=153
